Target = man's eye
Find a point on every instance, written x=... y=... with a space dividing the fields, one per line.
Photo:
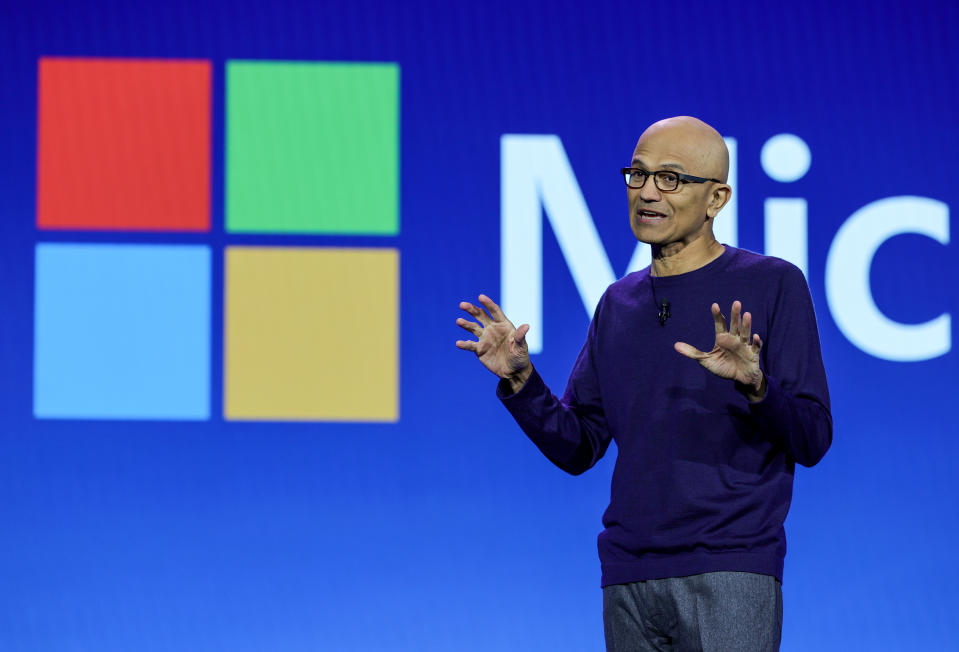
x=668 y=177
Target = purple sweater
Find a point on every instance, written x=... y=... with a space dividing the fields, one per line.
x=703 y=479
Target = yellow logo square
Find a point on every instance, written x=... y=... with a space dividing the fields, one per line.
x=311 y=334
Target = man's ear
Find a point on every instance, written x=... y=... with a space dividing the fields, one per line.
x=718 y=199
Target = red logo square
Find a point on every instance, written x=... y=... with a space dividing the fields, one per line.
x=123 y=144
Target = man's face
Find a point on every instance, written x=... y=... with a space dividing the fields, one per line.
x=664 y=218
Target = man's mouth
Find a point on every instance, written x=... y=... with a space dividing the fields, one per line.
x=650 y=216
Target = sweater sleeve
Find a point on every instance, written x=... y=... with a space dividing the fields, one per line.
x=795 y=413
x=570 y=431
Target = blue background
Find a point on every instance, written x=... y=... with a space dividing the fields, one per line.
x=448 y=530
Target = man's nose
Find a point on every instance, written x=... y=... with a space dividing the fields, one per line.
x=649 y=191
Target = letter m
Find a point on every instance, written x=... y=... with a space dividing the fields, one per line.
x=535 y=173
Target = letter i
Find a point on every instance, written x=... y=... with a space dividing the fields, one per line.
x=786 y=158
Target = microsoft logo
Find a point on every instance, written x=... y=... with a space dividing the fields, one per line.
x=123 y=324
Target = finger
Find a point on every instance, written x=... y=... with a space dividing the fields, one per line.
x=494 y=310
x=718 y=319
x=466 y=345
x=519 y=335
x=757 y=343
x=747 y=327
x=689 y=351
x=470 y=326
x=476 y=312
x=735 y=321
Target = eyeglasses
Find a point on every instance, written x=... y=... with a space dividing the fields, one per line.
x=665 y=180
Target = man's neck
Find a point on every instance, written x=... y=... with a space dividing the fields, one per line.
x=679 y=258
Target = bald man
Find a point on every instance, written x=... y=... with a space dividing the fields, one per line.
x=693 y=546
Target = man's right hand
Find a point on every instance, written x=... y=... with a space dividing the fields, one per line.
x=501 y=347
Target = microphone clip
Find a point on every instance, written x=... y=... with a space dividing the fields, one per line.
x=663 y=312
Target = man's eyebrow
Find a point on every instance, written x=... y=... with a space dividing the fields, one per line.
x=637 y=162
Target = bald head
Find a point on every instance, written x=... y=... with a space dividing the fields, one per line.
x=672 y=220
x=688 y=142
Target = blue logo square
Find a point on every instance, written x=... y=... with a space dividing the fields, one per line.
x=122 y=331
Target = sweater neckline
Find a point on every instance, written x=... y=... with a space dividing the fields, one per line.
x=712 y=266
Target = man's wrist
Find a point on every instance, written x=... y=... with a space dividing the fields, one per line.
x=518 y=380
x=754 y=392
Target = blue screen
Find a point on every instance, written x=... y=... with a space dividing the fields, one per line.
x=406 y=510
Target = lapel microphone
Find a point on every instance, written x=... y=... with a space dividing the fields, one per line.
x=663 y=305
x=663 y=312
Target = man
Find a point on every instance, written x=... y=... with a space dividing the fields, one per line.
x=693 y=546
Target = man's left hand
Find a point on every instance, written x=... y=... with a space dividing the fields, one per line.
x=735 y=355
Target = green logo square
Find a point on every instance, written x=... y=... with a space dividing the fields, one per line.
x=312 y=147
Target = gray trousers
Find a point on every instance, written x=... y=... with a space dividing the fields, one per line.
x=713 y=612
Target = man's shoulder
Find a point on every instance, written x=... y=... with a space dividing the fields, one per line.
x=736 y=265
x=761 y=266
x=629 y=284
x=626 y=292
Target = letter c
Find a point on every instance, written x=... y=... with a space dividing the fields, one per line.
x=847 y=279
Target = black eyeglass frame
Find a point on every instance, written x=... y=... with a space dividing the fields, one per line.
x=683 y=178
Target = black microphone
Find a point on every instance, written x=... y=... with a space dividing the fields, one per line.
x=663 y=312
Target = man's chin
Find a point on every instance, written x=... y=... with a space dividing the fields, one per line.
x=644 y=236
